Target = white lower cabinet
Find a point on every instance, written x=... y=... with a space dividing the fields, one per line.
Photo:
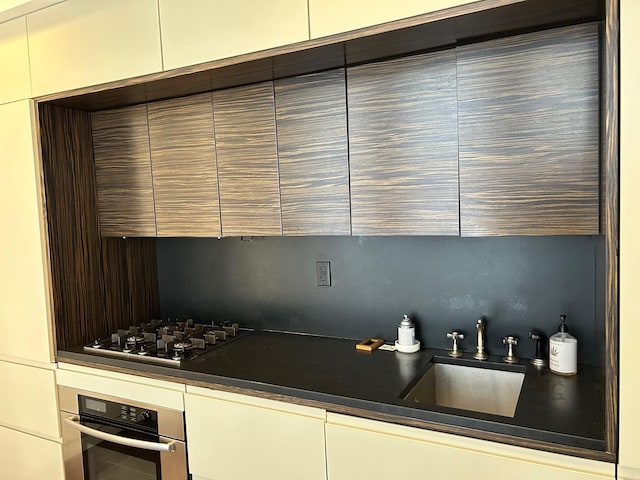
x=27 y=457
x=28 y=401
x=236 y=437
x=358 y=448
x=628 y=473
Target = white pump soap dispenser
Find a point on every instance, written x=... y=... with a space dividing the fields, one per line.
x=563 y=350
x=407 y=342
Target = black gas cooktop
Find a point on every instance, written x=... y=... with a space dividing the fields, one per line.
x=166 y=342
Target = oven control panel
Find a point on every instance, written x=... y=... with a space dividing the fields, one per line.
x=135 y=415
x=118 y=413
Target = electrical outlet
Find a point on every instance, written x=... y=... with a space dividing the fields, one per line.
x=323 y=274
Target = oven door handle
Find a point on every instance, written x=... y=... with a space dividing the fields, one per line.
x=74 y=422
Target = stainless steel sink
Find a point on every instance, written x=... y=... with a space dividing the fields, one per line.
x=479 y=389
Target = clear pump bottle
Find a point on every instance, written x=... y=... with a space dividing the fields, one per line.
x=563 y=350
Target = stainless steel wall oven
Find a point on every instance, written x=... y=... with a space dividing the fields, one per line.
x=108 y=438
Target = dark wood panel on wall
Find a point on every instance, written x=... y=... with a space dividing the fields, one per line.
x=245 y=133
x=131 y=280
x=611 y=167
x=97 y=284
x=311 y=115
x=123 y=172
x=185 y=179
x=403 y=146
x=529 y=130
x=74 y=233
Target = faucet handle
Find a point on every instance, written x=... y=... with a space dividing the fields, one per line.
x=455 y=335
x=510 y=341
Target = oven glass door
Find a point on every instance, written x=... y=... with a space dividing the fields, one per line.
x=104 y=460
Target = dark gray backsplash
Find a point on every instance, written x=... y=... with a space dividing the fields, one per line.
x=516 y=283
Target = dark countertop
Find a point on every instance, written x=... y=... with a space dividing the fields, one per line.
x=554 y=413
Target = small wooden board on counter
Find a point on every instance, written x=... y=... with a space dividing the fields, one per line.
x=369 y=345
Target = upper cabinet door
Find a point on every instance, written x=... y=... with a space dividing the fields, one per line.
x=327 y=17
x=185 y=179
x=123 y=172
x=22 y=275
x=78 y=43
x=311 y=114
x=197 y=31
x=15 y=82
x=403 y=145
x=529 y=134
x=245 y=130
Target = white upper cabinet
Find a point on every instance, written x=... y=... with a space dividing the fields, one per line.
x=80 y=43
x=23 y=298
x=327 y=17
x=15 y=83
x=629 y=439
x=197 y=31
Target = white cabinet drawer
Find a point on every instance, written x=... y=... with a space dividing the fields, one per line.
x=145 y=390
x=28 y=401
x=25 y=457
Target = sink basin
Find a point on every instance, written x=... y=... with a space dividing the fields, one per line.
x=487 y=389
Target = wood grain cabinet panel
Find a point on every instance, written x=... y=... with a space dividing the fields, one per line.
x=245 y=133
x=185 y=179
x=529 y=129
x=403 y=146
x=123 y=172
x=313 y=154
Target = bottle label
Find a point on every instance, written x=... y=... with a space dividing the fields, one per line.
x=406 y=336
x=563 y=356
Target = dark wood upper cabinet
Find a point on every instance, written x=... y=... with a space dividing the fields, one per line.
x=123 y=172
x=245 y=133
x=529 y=130
x=311 y=115
x=403 y=146
x=492 y=138
x=185 y=178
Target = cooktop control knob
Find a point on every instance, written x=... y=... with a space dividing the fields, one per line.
x=143 y=416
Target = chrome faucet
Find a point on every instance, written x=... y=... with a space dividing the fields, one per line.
x=480 y=354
